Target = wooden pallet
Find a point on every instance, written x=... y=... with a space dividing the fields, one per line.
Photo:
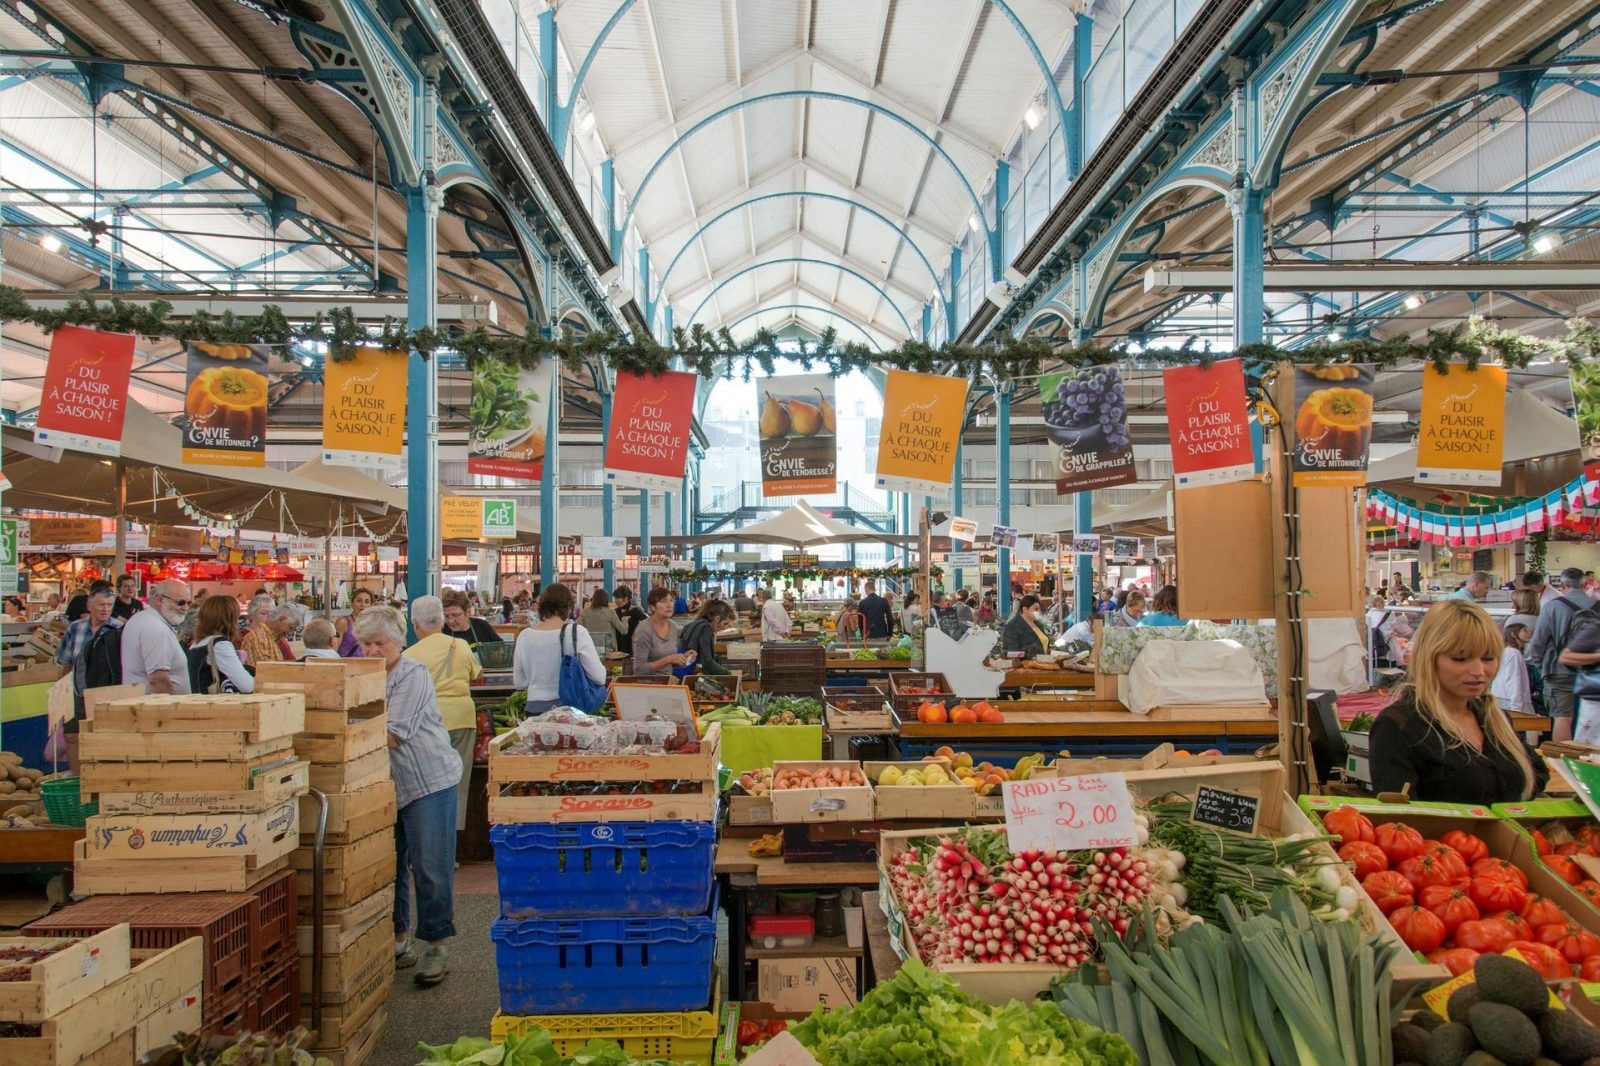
x=700 y=766
x=176 y=746
x=352 y=776
x=345 y=735
x=351 y=815
x=699 y=806
x=77 y=970
x=98 y=778
x=122 y=877
x=267 y=789
x=326 y=684
x=259 y=716
x=256 y=837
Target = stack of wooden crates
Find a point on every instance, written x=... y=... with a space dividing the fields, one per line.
x=345 y=740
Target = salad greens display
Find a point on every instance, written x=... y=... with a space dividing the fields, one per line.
x=535 y=1049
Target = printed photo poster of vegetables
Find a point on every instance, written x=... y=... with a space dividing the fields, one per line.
x=1332 y=424
x=509 y=416
x=797 y=425
x=1086 y=417
x=1586 y=409
x=225 y=404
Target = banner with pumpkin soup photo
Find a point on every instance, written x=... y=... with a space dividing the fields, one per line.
x=796 y=423
x=922 y=416
x=509 y=418
x=225 y=404
x=1332 y=424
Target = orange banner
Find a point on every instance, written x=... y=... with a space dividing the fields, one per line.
x=1462 y=432
x=364 y=409
x=460 y=518
x=922 y=416
x=53 y=532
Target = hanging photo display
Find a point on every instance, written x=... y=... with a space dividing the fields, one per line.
x=1461 y=437
x=1166 y=547
x=1125 y=548
x=85 y=394
x=225 y=404
x=1086 y=417
x=797 y=425
x=647 y=445
x=1086 y=544
x=963 y=529
x=922 y=417
x=1003 y=537
x=364 y=409
x=1586 y=409
x=510 y=416
x=1209 y=424
x=1332 y=424
x=1047 y=544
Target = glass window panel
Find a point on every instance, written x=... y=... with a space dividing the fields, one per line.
x=1058 y=166
x=1038 y=195
x=1103 y=93
x=1149 y=37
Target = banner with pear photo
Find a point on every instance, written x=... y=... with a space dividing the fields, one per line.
x=510 y=416
x=922 y=417
x=797 y=428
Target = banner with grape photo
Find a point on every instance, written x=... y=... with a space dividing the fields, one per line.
x=1086 y=417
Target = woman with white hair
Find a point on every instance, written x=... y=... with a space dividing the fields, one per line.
x=426 y=771
x=260 y=644
x=453 y=668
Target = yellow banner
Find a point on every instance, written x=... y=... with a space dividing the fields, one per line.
x=922 y=416
x=460 y=518
x=1462 y=433
x=364 y=409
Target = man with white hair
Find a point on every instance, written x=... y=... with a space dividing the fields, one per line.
x=260 y=644
x=151 y=654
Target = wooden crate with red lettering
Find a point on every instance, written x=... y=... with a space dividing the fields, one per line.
x=505 y=768
x=699 y=805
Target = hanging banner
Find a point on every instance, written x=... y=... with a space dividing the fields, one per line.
x=1332 y=424
x=922 y=418
x=225 y=404
x=1086 y=416
x=510 y=413
x=364 y=409
x=85 y=394
x=1586 y=410
x=1462 y=434
x=460 y=518
x=796 y=426
x=963 y=529
x=648 y=444
x=1208 y=424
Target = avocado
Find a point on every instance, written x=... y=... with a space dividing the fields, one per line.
x=1567 y=1037
x=1462 y=1000
x=1425 y=1019
x=1511 y=982
x=1449 y=1045
x=1481 y=1058
x=1505 y=1032
x=1409 y=1042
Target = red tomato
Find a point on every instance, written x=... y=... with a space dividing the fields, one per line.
x=1447 y=857
x=1574 y=942
x=1589 y=833
x=1365 y=857
x=776 y=1027
x=1469 y=847
x=1388 y=890
x=1487 y=935
x=1451 y=905
x=1494 y=894
x=1589 y=970
x=1570 y=847
x=1541 y=844
x=1492 y=867
x=1589 y=890
x=1521 y=928
x=1398 y=841
x=1457 y=960
x=1348 y=824
x=1425 y=870
x=1565 y=868
x=1542 y=957
x=1421 y=929
x=1541 y=912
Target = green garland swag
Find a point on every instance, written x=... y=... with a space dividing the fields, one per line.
x=715 y=353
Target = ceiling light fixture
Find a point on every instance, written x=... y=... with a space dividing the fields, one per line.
x=1413 y=302
x=50 y=243
x=1033 y=116
x=972 y=222
x=586 y=123
x=1335 y=337
x=1546 y=243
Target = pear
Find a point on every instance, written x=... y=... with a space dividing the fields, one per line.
x=774 y=418
x=805 y=417
x=891 y=775
x=830 y=417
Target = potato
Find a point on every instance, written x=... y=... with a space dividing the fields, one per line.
x=10 y=757
x=7 y=787
x=21 y=810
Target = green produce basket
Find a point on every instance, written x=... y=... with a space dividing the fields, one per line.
x=751 y=747
x=64 y=802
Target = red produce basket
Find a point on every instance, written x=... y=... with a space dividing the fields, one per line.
x=276 y=1005
x=275 y=924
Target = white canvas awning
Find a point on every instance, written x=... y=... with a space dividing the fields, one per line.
x=801 y=526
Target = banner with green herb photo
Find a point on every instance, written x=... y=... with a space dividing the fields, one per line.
x=510 y=412
x=1086 y=416
x=1586 y=409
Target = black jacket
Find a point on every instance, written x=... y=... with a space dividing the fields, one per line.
x=876 y=611
x=1018 y=635
x=699 y=637
x=479 y=631
x=631 y=617
x=1409 y=750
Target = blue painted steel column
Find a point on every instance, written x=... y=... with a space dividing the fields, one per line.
x=643 y=287
x=550 y=487
x=1002 y=444
x=644 y=522
x=666 y=516
x=927 y=320
x=608 y=496
x=1082 y=522
x=927 y=509
x=951 y=326
x=955 y=508
x=1082 y=58
x=423 y=548
x=997 y=236
x=1249 y=266
x=555 y=115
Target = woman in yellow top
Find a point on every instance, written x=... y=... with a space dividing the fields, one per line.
x=453 y=668
x=1023 y=632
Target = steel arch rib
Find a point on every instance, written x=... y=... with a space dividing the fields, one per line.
x=846 y=319
x=879 y=289
x=904 y=232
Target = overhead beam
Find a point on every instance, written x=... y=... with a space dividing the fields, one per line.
x=366 y=308
x=1399 y=277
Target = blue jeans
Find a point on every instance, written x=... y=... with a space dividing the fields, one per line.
x=425 y=852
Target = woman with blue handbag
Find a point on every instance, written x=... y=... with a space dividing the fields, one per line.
x=556 y=660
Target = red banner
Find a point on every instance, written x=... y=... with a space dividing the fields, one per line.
x=1209 y=424
x=85 y=390
x=648 y=443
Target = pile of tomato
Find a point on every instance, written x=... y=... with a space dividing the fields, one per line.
x=1450 y=900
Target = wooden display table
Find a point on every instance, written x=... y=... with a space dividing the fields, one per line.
x=45 y=850
x=1090 y=727
x=1047 y=679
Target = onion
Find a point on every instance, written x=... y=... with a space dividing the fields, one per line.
x=1328 y=879
x=1346 y=899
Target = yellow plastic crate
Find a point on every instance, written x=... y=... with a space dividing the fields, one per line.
x=687 y=1036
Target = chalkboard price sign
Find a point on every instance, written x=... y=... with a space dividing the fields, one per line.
x=1226 y=810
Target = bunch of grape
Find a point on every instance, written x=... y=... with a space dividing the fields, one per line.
x=1092 y=398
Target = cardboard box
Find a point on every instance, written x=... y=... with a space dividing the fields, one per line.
x=801 y=984
x=727 y=1051
x=847 y=803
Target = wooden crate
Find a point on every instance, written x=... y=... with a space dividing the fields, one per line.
x=344 y=1020
x=360 y=1049
x=80 y=1034
x=846 y=803
x=700 y=766
x=343 y=736
x=54 y=983
x=278 y=784
x=122 y=877
x=845 y=720
x=934 y=802
x=184 y=1013
x=341 y=928
x=699 y=806
x=749 y=810
x=351 y=776
x=326 y=684
x=176 y=746
x=351 y=815
x=259 y=716
x=351 y=872
x=905 y=703
x=254 y=838
x=98 y=778
x=346 y=970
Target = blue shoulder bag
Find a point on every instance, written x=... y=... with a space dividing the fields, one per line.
x=576 y=690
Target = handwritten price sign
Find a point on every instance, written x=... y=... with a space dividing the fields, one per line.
x=1069 y=813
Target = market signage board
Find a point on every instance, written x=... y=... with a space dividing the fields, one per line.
x=1586 y=405
x=1069 y=813
x=225 y=404
x=964 y=559
x=364 y=409
x=174 y=539
x=1462 y=432
x=61 y=532
x=8 y=555
x=647 y=445
x=1208 y=424
x=1086 y=418
x=799 y=559
x=922 y=416
x=796 y=426
x=85 y=394
x=1332 y=424
x=655 y=564
x=499 y=519
x=510 y=417
x=460 y=518
x=612 y=549
x=1222 y=809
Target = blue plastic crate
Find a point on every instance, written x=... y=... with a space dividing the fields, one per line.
x=605 y=965
x=596 y=869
